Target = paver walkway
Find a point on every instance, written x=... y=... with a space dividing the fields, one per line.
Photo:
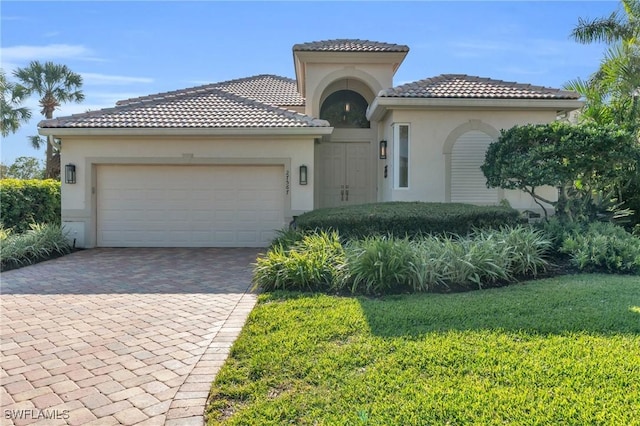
x=120 y=336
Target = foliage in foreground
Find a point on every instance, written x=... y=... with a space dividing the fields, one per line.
x=40 y=242
x=603 y=247
x=29 y=201
x=384 y=264
x=553 y=351
x=313 y=263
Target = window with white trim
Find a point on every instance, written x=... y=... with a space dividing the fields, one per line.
x=401 y=155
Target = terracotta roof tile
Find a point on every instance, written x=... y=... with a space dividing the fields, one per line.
x=210 y=108
x=349 y=45
x=265 y=88
x=464 y=86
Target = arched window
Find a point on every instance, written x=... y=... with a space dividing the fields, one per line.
x=345 y=109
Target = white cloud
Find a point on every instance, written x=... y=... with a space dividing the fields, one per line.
x=51 y=51
x=99 y=79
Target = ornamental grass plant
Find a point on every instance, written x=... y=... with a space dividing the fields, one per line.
x=39 y=242
x=386 y=264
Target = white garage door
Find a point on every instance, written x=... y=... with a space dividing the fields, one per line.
x=189 y=206
x=468 y=183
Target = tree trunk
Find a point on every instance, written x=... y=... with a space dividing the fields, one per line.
x=48 y=167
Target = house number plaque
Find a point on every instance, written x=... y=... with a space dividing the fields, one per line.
x=286 y=181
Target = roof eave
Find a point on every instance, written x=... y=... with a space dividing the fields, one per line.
x=181 y=131
x=381 y=105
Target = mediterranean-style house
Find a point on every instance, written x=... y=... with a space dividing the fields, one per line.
x=227 y=164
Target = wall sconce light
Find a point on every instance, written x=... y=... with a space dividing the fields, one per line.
x=303 y=175
x=383 y=150
x=70 y=173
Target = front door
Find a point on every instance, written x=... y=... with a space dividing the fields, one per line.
x=345 y=173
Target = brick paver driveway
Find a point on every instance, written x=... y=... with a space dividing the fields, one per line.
x=120 y=336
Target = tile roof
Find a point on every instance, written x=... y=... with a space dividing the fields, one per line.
x=465 y=86
x=210 y=108
x=266 y=88
x=349 y=45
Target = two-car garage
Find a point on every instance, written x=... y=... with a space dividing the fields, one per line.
x=189 y=205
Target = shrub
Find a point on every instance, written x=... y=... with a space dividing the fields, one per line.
x=4 y=233
x=29 y=201
x=40 y=242
x=604 y=246
x=407 y=219
x=313 y=263
x=387 y=264
x=556 y=231
x=524 y=248
x=381 y=264
x=286 y=238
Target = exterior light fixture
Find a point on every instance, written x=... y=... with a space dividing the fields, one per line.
x=70 y=173
x=383 y=150
x=303 y=175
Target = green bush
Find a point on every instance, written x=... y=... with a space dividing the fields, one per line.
x=557 y=231
x=407 y=219
x=313 y=263
x=386 y=264
x=286 y=238
x=603 y=246
x=40 y=242
x=381 y=264
x=24 y=202
x=524 y=248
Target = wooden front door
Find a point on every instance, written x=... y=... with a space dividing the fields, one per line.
x=345 y=173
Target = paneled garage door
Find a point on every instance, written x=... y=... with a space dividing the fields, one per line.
x=188 y=206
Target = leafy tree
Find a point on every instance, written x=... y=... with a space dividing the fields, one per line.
x=589 y=164
x=54 y=84
x=25 y=168
x=13 y=114
x=613 y=92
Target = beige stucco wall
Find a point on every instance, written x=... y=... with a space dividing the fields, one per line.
x=432 y=133
x=78 y=200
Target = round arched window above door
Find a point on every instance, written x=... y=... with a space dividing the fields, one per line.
x=345 y=109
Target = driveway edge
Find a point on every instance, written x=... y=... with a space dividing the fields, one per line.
x=189 y=403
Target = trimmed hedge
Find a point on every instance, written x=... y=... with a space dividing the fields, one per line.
x=24 y=202
x=407 y=219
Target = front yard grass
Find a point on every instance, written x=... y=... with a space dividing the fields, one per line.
x=564 y=350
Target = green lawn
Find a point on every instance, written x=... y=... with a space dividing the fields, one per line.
x=557 y=351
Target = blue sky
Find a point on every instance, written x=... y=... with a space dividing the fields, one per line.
x=127 y=49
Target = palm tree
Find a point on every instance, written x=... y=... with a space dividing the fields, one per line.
x=12 y=113
x=55 y=85
x=612 y=29
x=616 y=84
